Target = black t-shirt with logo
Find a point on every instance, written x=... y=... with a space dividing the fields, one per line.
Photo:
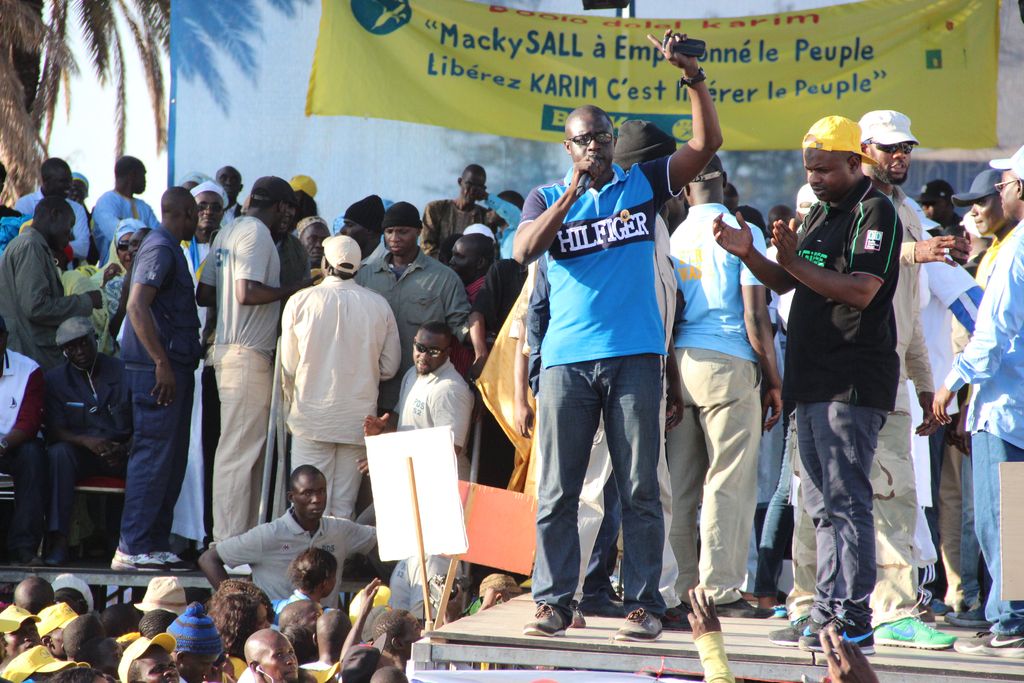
x=835 y=352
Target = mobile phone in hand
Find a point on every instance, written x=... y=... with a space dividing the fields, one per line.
x=691 y=47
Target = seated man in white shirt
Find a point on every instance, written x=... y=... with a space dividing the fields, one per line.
x=433 y=394
x=270 y=548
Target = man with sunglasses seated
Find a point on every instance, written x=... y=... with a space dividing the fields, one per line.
x=433 y=393
x=89 y=424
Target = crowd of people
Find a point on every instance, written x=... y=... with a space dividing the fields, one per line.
x=715 y=384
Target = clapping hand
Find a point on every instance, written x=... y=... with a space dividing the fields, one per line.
x=737 y=242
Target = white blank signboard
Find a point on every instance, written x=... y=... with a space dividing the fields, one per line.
x=437 y=486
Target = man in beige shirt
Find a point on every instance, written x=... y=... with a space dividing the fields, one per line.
x=338 y=341
x=242 y=277
x=433 y=394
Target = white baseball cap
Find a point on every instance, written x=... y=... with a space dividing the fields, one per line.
x=886 y=127
x=343 y=253
x=1014 y=163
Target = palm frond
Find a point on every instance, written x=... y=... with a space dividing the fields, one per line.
x=21 y=150
x=120 y=96
x=98 y=23
x=149 y=55
x=21 y=27
x=58 y=63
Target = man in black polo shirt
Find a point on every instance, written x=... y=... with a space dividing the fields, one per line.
x=841 y=362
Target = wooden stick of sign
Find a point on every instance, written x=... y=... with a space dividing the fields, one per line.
x=453 y=564
x=419 y=544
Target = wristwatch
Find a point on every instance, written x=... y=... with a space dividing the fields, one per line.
x=4 y=446
x=690 y=82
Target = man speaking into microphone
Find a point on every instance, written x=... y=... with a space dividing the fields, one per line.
x=602 y=354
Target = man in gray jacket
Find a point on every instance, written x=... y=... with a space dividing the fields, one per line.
x=33 y=302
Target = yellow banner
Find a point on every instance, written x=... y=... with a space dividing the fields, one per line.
x=517 y=73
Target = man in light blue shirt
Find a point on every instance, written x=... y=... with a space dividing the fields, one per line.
x=55 y=175
x=994 y=363
x=723 y=346
x=120 y=203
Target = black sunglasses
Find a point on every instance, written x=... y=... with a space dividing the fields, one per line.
x=586 y=138
x=431 y=351
x=904 y=147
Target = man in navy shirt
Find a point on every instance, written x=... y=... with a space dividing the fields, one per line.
x=603 y=351
x=161 y=351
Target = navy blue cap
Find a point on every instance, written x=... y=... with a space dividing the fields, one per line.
x=984 y=185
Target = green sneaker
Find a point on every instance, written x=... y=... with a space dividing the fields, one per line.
x=912 y=632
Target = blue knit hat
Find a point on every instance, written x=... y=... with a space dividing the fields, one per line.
x=195 y=632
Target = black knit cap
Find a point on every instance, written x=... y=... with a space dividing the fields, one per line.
x=401 y=215
x=367 y=212
x=641 y=141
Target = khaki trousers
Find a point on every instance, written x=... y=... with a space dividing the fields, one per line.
x=895 y=516
x=951 y=526
x=340 y=464
x=712 y=460
x=244 y=382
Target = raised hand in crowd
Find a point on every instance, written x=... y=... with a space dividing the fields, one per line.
x=704 y=617
x=846 y=663
x=952 y=250
x=736 y=242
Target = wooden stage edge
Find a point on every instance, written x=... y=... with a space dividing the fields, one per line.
x=495 y=636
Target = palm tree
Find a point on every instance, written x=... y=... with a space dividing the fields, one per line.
x=36 y=63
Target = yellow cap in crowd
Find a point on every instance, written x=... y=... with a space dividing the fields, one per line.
x=36 y=660
x=55 y=616
x=13 y=617
x=835 y=134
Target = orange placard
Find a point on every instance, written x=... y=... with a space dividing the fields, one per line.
x=501 y=526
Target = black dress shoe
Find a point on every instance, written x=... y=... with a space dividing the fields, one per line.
x=26 y=557
x=742 y=608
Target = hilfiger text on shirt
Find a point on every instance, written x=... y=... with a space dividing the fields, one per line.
x=588 y=237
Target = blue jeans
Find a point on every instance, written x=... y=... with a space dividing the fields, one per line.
x=156 y=465
x=627 y=392
x=987 y=451
x=597 y=586
x=837 y=446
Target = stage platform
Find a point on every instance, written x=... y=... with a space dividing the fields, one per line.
x=495 y=636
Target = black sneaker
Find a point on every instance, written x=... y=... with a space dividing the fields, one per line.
x=640 y=625
x=675 y=619
x=602 y=608
x=790 y=636
x=547 y=622
x=974 y=618
x=861 y=636
x=742 y=608
x=993 y=645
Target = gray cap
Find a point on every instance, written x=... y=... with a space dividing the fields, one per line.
x=74 y=328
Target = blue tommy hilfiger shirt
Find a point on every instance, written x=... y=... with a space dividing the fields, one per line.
x=600 y=267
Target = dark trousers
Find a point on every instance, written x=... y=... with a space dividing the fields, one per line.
x=27 y=466
x=156 y=466
x=597 y=586
x=837 y=446
x=69 y=464
x=211 y=436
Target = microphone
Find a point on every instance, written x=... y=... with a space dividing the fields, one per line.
x=585 y=182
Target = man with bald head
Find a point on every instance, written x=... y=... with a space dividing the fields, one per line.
x=33 y=594
x=604 y=346
x=842 y=369
x=271 y=658
x=161 y=351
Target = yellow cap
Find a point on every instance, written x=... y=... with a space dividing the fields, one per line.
x=55 y=616
x=304 y=183
x=381 y=599
x=139 y=647
x=835 y=134
x=36 y=660
x=13 y=617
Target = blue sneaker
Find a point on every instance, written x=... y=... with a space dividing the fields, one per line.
x=939 y=607
x=779 y=612
x=861 y=636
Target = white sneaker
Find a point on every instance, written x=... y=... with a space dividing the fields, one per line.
x=143 y=562
x=172 y=562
